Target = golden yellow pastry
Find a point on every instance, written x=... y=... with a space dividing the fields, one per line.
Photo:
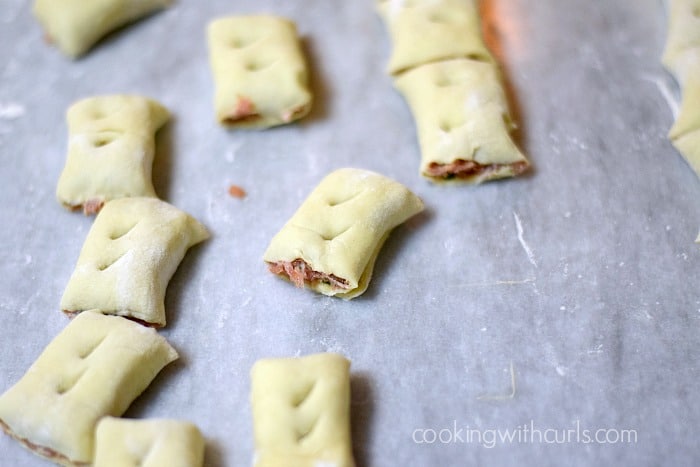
x=427 y=31
x=111 y=144
x=260 y=73
x=462 y=120
x=76 y=25
x=332 y=242
x=301 y=411
x=147 y=443
x=95 y=367
x=131 y=252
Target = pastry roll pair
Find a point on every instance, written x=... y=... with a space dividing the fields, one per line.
x=76 y=25
x=111 y=145
x=332 y=242
x=95 y=367
x=453 y=86
x=130 y=253
x=301 y=411
x=260 y=73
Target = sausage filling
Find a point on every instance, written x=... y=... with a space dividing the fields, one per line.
x=462 y=169
x=299 y=272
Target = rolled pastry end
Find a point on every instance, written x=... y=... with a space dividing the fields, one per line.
x=128 y=314
x=472 y=171
x=244 y=114
x=42 y=451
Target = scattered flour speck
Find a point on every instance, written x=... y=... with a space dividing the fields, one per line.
x=11 y=111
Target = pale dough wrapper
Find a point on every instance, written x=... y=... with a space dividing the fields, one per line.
x=76 y=25
x=148 y=443
x=95 y=367
x=130 y=253
x=682 y=58
x=111 y=145
x=426 y=31
x=301 y=411
x=331 y=243
x=462 y=120
x=260 y=74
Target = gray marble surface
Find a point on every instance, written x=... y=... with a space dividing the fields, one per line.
x=564 y=300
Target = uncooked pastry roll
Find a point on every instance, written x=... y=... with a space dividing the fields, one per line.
x=462 y=120
x=148 y=443
x=111 y=144
x=128 y=258
x=682 y=58
x=259 y=70
x=426 y=31
x=333 y=240
x=301 y=411
x=76 y=25
x=95 y=367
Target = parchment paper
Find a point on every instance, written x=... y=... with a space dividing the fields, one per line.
x=564 y=300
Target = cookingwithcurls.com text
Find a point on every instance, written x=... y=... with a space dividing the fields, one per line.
x=527 y=433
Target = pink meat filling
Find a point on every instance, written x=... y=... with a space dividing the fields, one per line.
x=299 y=272
x=461 y=168
x=244 y=112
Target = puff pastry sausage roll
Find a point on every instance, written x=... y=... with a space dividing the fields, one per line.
x=95 y=367
x=301 y=411
x=682 y=58
x=111 y=143
x=147 y=443
x=76 y=25
x=426 y=31
x=259 y=70
x=332 y=241
x=462 y=120
x=129 y=255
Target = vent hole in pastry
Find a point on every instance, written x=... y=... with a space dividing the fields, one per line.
x=438 y=18
x=105 y=266
x=105 y=138
x=86 y=352
x=453 y=79
x=98 y=143
x=304 y=433
x=240 y=42
x=479 y=57
x=330 y=236
x=301 y=397
x=257 y=65
x=120 y=232
x=446 y=127
x=443 y=82
x=338 y=200
x=68 y=384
